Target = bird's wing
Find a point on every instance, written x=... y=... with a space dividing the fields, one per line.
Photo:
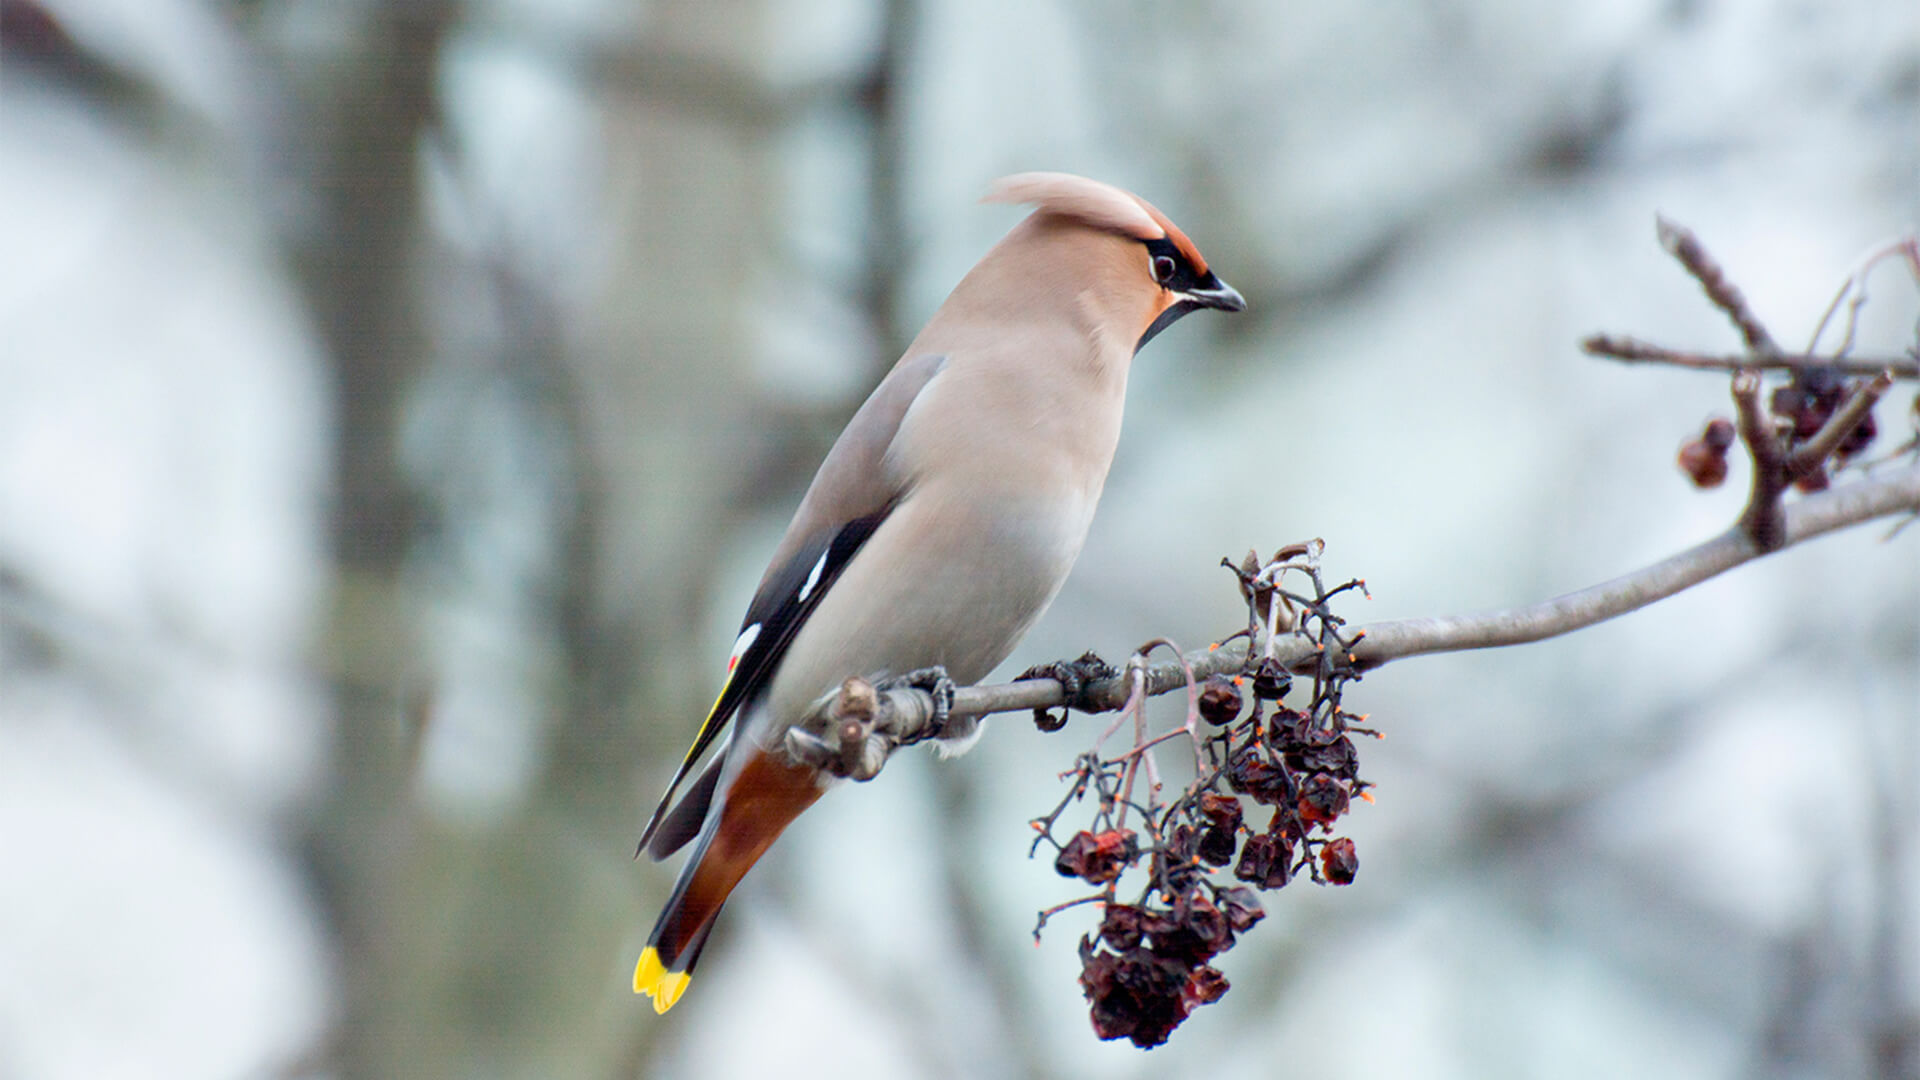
x=850 y=496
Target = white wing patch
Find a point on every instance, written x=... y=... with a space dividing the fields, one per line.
x=813 y=577
x=741 y=646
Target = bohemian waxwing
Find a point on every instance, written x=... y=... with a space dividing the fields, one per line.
x=942 y=522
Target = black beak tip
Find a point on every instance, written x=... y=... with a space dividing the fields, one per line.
x=1222 y=297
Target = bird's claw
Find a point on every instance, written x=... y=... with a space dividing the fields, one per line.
x=939 y=686
x=1074 y=676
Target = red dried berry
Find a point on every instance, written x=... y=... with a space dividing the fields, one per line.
x=1206 y=921
x=1704 y=465
x=1339 y=861
x=1271 y=681
x=1240 y=906
x=1265 y=860
x=1155 y=922
x=1322 y=799
x=1223 y=810
x=1718 y=434
x=1184 y=842
x=1135 y=995
x=1192 y=933
x=1097 y=859
x=1220 y=701
x=1204 y=987
x=1287 y=826
x=1286 y=726
x=1120 y=926
x=1250 y=773
x=1216 y=846
x=1324 y=752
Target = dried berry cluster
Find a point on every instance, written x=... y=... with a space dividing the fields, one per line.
x=1148 y=966
x=1801 y=409
x=1806 y=404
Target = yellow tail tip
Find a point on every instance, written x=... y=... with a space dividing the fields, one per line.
x=651 y=977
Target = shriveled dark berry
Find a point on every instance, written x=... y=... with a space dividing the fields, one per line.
x=1223 y=810
x=1097 y=859
x=1216 y=846
x=1206 y=921
x=1322 y=799
x=1718 y=434
x=1271 y=681
x=1324 y=752
x=1265 y=860
x=1704 y=465
x=1135 y=994
x=1220 y=701
x=1204 y=987
x=1285 y=726
x=1193 y=933
x=1241 y=907
x=1120 y=926
x=1183 y=842
x=1339 y=861
x=1250 y=773
x=1155 y=921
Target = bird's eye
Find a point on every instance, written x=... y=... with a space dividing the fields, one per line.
x=1162 y=269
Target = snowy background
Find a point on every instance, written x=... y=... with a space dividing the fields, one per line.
x=398 y=402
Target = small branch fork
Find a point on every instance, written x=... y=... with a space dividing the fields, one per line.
x=1820 y=415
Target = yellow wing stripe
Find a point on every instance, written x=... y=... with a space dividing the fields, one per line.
x=711 y=723
x=710 y=727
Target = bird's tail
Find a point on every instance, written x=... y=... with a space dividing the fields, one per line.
x=763 y=798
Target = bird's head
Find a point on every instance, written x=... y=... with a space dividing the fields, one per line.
x=1159 y=268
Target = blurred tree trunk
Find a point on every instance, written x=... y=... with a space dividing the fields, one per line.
x=356 y=261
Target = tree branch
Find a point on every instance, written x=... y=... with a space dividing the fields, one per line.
x=1634 y=351
x=889 y=718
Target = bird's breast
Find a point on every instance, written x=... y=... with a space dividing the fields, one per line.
x=938 y=584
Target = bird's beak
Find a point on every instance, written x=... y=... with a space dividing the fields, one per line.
x=1223 y=296
x=1220 y=296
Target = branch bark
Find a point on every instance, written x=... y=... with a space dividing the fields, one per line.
x=1634 y=351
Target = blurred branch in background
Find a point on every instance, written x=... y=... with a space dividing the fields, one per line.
x=358 y=258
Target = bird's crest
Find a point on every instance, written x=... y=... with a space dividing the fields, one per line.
x=1094 y=203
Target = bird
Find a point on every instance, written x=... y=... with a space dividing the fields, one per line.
x=940 y=525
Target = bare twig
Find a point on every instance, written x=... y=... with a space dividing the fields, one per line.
x=1813 y=453
x=1634 y=351
x=1684 y=246
x=1853 y=291
x=1762 y=519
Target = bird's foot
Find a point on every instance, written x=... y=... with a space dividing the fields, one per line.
x=1074 y=676
x=938 y=685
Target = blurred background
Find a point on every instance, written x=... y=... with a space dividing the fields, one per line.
x=398 y=402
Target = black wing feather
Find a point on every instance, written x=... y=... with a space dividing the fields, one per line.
x=780 y=610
